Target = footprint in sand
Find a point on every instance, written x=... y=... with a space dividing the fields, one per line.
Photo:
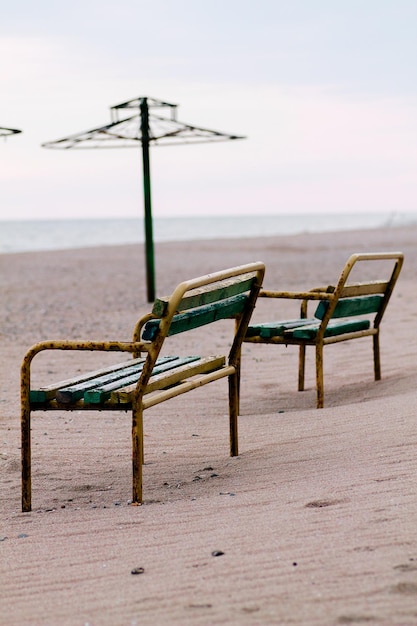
x=320 y=504
x=408 y=589
x=406 y=567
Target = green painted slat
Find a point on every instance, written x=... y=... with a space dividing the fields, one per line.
x=47 y=393
x=349 y=307
x=37 y=396
x=307 y=328
x=101 y=393
x=207 y=294
x=198 y=317
x=333 y=329
x=276 y=329
x=72 y=393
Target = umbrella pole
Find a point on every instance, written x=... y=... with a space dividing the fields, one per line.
x=149 y=247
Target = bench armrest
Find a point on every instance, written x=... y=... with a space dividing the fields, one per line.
x=320 y=293
x=134 y=347
x=98 y=346
x=316 y=294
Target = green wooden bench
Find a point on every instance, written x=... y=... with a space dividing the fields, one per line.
x=149 y=378
x=349 y=310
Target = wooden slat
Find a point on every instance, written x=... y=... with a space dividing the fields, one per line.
x=208 y=294
x=349 y=307
x=168 y=379
x=276 y=329
x=333 y=328
x=198 y=317
x=101 y=393
x=47 y=393
x=70 y=394
x=187 y=385
x=364 y=289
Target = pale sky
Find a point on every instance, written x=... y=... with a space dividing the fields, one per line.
x=324 y=90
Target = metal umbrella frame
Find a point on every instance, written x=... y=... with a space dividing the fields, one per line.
x=126 y=130
x=5 y=132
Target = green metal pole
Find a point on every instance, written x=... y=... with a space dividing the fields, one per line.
x=149 y=248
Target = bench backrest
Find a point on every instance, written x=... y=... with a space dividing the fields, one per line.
x=351 y=307
x=362 y=298
x=231 y=293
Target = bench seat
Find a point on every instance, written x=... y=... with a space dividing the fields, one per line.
x=306 y=328
x=115 y=389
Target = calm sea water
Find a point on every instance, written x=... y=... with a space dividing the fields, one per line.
x=25 y=236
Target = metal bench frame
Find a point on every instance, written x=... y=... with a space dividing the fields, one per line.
x=231 y=293
x=346 y=311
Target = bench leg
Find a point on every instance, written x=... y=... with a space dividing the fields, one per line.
x=26 y=460
x=301 y=367
x=319 y=376
x=234 y=384
x=137 y=453
x=377 y=359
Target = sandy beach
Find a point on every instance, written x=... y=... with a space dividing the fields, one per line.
x=316 y=520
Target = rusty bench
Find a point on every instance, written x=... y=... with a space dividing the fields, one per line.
x=348 y=310
x=148 y=378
